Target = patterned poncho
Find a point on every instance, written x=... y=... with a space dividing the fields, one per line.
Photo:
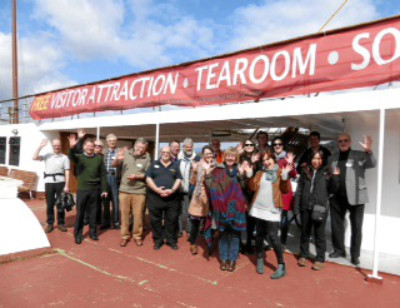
x=227 y=199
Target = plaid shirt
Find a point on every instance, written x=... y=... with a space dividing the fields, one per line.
x=109 y=157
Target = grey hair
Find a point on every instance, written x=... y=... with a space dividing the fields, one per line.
x=111 y=136
x=141 y=140
x=188 y=141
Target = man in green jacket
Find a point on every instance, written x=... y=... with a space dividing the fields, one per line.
x=92 y=183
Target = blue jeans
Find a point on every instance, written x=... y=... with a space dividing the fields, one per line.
x=113 y=196
x=229 y=245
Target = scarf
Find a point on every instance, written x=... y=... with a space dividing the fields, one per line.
x=233 y=173
x=271 y=174
x=280 y=156
x=199 y=178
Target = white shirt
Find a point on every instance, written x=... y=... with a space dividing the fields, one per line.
x=55 y=163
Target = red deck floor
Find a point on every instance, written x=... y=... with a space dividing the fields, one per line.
x=104 y=274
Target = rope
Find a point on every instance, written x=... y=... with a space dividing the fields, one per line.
x=333 y=15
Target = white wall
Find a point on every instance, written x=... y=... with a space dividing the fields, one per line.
x=389 y=227
x=30 y=140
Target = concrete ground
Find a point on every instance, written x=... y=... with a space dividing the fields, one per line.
x=103 y=274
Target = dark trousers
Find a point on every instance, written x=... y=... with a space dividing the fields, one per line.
x=339 y=207
x=269 y=229
x=86 y=199
x=98 y=212
x=170 y=212
x=113 y=196
x=194 y=230
x=319 y=234
x=284 y=226
x=53 y=191
x=250 y=226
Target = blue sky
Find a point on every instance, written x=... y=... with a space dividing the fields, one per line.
x=68 y=42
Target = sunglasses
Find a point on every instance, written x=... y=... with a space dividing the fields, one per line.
x=343 y=141
x=249 y=145
x=278 y=144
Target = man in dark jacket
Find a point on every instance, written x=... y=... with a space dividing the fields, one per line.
x=91 y=178
x=351 y=194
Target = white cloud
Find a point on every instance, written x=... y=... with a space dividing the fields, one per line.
x=40 y=63
x=142 y=33
x=274 y=21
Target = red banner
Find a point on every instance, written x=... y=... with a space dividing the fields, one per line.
x=361 y=56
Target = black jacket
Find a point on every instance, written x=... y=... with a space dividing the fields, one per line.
x=324 y=185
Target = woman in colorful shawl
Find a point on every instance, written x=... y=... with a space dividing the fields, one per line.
x=199 y=207
x=268 y=185
x=228 y=202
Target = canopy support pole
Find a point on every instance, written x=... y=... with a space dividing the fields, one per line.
x=157 y=144
x=374 y=276
x=98 y=133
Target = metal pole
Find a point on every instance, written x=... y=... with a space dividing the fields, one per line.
x=157 y=144
x=374 y=274
x=98 y=133
x=15 y=62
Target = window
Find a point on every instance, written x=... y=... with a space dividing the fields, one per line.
x=15 y=144
x=3 y=149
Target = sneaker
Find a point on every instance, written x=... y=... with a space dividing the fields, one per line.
x=49 y=228
x=302 y=262
x=280 y=272
x=318 y=266
x=260 y=266
x=223 y=266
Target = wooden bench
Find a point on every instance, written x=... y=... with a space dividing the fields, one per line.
x=28 y=177
x=3 y=171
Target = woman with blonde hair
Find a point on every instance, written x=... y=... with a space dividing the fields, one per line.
x=225 y=183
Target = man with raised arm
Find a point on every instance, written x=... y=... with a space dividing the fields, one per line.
x=132 y=191
x=56 y=179
x=350 y=194
x=92 y=183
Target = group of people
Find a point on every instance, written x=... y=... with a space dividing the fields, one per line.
x=219 y=194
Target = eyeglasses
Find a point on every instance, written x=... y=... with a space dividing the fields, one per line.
x=98 y=146
x=165 y=152
x=278 y=144
x=343 y=141
x=249 y=145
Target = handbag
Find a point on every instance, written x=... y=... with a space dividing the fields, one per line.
x=318 y=213
x=65 y=202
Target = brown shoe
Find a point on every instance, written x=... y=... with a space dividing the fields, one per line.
x=223 y=266
x=232 y=266
x=302 y=262
x=49 y=228
x=123 y=242
x=62 y=228
x=318 y=266
x=193 y=249
x=139 y=242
